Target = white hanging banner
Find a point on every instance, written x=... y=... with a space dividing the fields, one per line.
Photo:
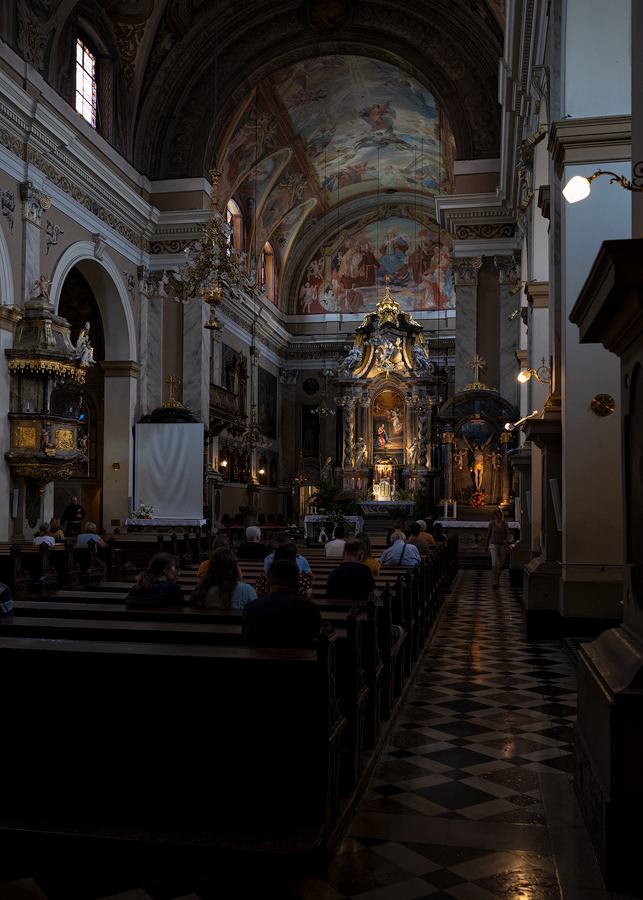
x=169 y=468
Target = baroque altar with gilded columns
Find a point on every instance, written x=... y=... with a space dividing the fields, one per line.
x=385 y=389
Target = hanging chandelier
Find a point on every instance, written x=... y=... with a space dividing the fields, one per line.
x=213 y=264
x=323 y=410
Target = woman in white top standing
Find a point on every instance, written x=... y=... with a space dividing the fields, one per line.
x=497 y=540
x=220 y=586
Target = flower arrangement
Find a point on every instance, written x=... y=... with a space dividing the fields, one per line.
x=143 y=512
x=293 y=531
x=478 y=498
x=336 y=516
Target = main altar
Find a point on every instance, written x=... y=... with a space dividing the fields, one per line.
x=385 y=389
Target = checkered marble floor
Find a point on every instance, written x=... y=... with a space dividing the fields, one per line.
x=456 y=808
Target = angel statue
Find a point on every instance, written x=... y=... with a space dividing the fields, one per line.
x=43 y=285
x=327 y=470
x=459 y=458
x=351 y=360
x=414 y=453
x=420 y=361
x=478 y=459
x=82 y=444
x=361 y=454
x=84 y=349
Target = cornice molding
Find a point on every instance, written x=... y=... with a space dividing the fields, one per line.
x=120 y=368
x=590 y=141
x=537 y=294
x=8 y=318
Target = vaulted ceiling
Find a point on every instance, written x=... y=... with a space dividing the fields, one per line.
x=170 y=54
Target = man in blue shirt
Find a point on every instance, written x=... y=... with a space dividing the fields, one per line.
x=302 y=562
x=400 y=553
x=83 y=541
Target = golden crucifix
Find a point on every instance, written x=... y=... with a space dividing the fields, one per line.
x=173 y=382
x=477 y=363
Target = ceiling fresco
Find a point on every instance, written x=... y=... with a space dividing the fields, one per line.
x=367 y=125
x=348 y=274
x=320 y=134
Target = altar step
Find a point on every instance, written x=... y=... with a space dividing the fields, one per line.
x=380 y=524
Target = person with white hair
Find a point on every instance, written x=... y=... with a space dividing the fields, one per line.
x=90 y=535
x=400 y=553
x=252 y=548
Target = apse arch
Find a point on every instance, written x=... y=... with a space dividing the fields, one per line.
x=113 y=301
x=6 y=278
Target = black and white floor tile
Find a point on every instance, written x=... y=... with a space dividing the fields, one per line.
x=455 y=809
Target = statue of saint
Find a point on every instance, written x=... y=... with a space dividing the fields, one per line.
x=420 y=361
x=327 y=470
x=351 y=361
x=478 y=459
x=414 y=453
x=82 y=444
x=361 y=454
x=495 y=458
x=84 y=349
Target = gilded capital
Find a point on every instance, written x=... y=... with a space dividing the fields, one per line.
x=465 y=269
x=508 y=269
x=506 y=437
x=33 y=203
x=448 y=437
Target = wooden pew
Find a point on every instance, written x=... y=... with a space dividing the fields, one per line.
x=149 y=715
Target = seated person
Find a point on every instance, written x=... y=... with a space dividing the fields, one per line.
x=55 y=529
x=281 y=618
x=400 y=554
x=424 y=533
x=368 y=560
x=351 y=580
x=6 y=600
x=252 y=548
x=438 y=533
x=83 y=541
x=157 y=586
x=398 y=531
x=287 y=550
x=221 y=587
x=221 y=540
x=416 y=539
x=43 y=536
x=302 y=562
x=336 y=546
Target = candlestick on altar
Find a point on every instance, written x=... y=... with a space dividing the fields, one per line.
x=455 y=509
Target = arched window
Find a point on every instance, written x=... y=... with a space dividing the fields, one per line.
x=86 y=82
x=267 y=271
x=234 y=218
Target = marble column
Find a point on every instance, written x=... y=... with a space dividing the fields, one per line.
x=151 y=293
x=120 y=398
x=33 y=203
x=8 y=320
x=447 y=441
x=288 y=426
x=465 y=271
x=349 y=432
x=505 y=473
x=196 y=360
x=509 y=328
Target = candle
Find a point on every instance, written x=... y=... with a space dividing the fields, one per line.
x=446 y=509
x=455 y=509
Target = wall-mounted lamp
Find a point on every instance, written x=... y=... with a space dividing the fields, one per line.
x=542 y=373
x=509 y=426
x=262 y=471
x=224 y=463
x=577 y=188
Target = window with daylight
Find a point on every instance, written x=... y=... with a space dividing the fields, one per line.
x=85 y=83
x=267 y=271
x=235 y=221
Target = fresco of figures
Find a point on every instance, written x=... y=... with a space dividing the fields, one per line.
x=348 y=273
x=351 y=110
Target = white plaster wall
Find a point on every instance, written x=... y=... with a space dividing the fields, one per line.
x=597 y=67
x=592 y=492
x=119 y=406
x=540 y=225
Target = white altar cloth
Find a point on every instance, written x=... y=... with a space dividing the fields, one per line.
x=165 y=521
x=309 y=521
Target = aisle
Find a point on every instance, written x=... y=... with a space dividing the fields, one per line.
x=474 y=789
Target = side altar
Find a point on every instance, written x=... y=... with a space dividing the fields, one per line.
x=385 y=389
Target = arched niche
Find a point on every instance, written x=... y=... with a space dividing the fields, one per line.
x=108 y=287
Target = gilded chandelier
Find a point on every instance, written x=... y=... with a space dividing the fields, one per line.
x=216 y=265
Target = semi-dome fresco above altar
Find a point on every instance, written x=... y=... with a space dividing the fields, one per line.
x=348 y=273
